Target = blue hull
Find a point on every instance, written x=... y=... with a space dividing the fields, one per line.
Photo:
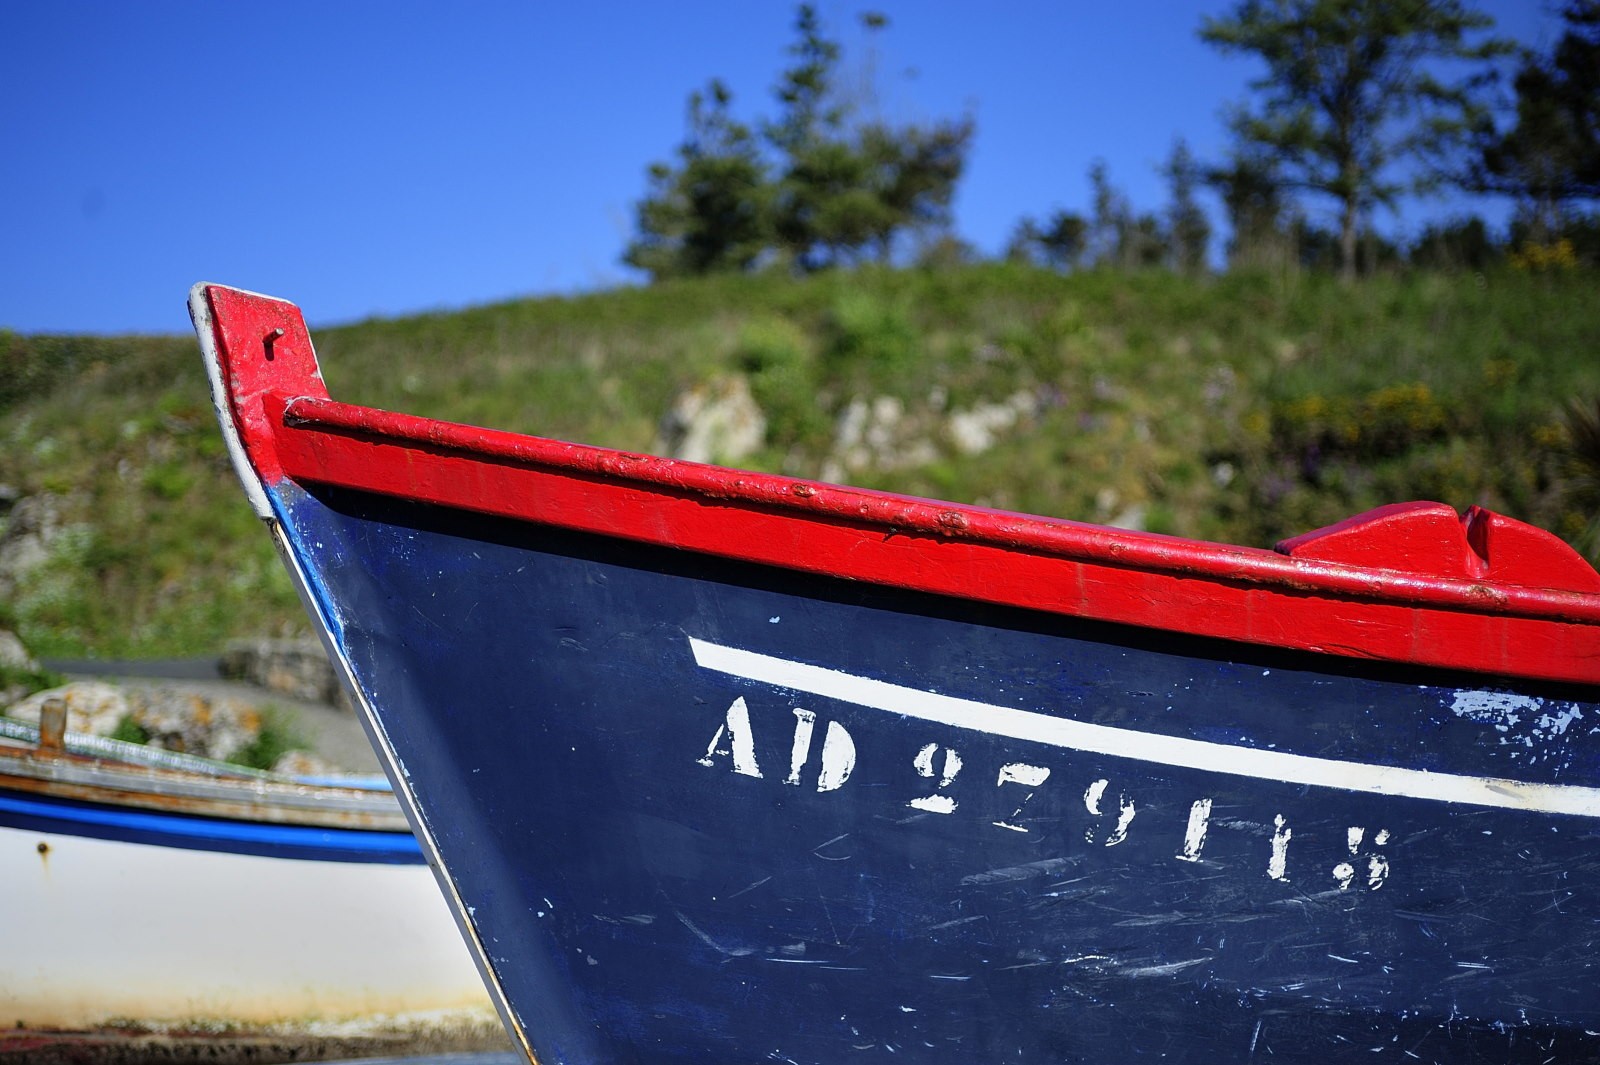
x=702 y=811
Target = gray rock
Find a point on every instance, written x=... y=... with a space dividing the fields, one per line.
x=13 y=655
x=715 y=422
x=93 y=708
x=298 y=669
x=877 y=434
x=31 y=528
x=175 y=720
x=305 y=764
x=193 y=723
x=977 y=430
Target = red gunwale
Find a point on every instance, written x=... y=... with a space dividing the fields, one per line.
x=287 y=426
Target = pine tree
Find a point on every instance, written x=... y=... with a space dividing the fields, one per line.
x=815 y=188
x=1551 y=156
x=1252 y=193
x=1351 y=90
x=848 y=189
x=1059 y=243
x=1188 y=231
x=1110 y=220
x=710 y=213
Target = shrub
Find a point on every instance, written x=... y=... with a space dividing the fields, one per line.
x=773 y=352
x=871 y=344
x=277 y=737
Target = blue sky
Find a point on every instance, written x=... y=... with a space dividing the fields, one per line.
x=367 y=158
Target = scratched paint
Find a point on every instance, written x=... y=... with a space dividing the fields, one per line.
x=1252 y=761
x=733 y=740
x=1534 y=728
x=1029 y=776
x=732 y=747
x=1278 y=864
x=837 y=766
x=706 y=895
x=950 y=765
x=1194 y=831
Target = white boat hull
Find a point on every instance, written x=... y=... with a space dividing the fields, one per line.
x=108 y=932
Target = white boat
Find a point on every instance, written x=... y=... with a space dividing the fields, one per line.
x=166 y=905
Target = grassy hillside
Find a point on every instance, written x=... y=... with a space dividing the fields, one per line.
x=1236 y=408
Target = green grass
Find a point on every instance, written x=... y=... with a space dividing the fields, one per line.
x=1240 y=408
x=26 y=682
x=128 y=730
x=277 y=737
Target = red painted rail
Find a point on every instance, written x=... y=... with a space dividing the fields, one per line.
x=1414 y=582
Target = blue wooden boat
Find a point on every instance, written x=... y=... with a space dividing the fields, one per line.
x=720 y=767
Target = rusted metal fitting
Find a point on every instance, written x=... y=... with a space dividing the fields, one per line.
x=53 y=726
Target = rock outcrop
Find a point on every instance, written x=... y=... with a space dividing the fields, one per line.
x=174 y=720
x=298 y=669
x=27 y=536
x=715 y=422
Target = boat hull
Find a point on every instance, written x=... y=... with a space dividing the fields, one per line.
x=695 y=810
x=144 y=933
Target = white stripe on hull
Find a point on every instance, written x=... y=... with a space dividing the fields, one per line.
x=1279 y=766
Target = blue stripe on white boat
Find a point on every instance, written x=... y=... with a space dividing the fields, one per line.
x=64 y=817
x=1145 y=746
